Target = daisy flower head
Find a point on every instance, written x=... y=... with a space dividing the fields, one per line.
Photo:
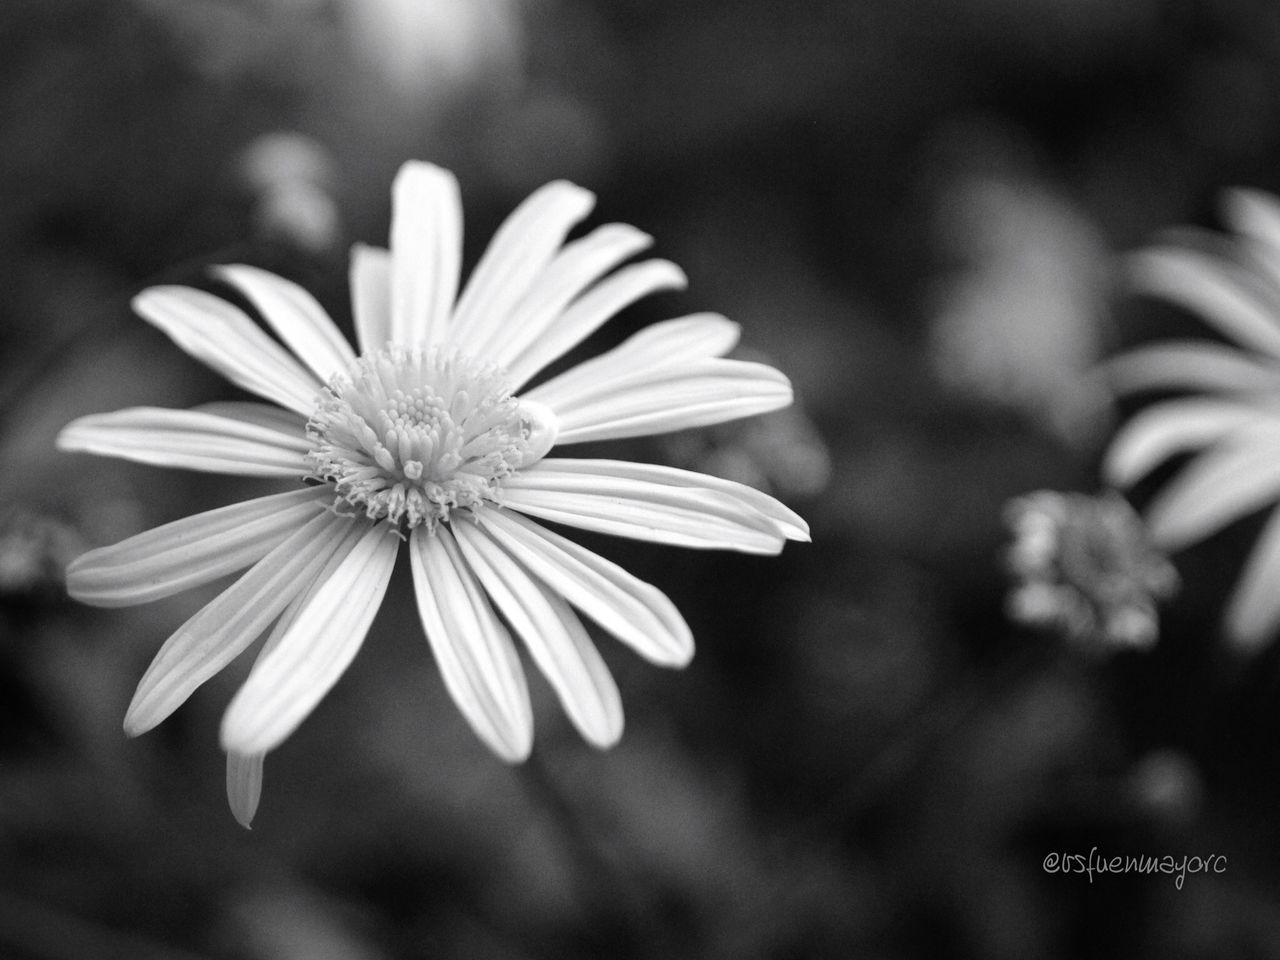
x=431 y=441
x=1218 y=400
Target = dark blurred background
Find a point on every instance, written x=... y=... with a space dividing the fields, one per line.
x=913 y=209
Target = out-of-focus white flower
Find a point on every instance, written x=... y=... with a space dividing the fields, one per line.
x=291 y=178
x=1083 y=566
x=1230 y=419
x=1017 y=325
x=429 y=439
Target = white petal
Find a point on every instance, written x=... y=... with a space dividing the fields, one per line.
x=585 y=315
x=234 y=619
x=637 y=613
x=191 y=551
x=1176 y=426
x=222 y=336
x=295 y=316
x=1190 y=365
x=1223 y=484
x=1253 y=611
x=665 y=398
x=1256 y=215
x=1213 y=289
x=787 y=522
x=244 y=785
x=371 y=296
x=520 y=250
x=477 y=660
x=553 y=635
x=290 y=679
x=189 y=440
x=426 y=252
x=576 y=267
x=245 y=770
x=641 y=509
x=669 y=343
x=266 y=415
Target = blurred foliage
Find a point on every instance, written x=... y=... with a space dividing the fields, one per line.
x=911 y=209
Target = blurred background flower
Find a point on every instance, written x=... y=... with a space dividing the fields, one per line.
x=912 y=209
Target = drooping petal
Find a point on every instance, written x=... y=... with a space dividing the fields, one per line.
x=192 y=551
x=642 y=509
x=245 y=770
x=637 y=613
x=576 y=267
x=1225 y=483
x=223 y=337
x=1190 y=365
x=519 y=251
x=244 y=785
x=265 y=415
x=1211 y=288
x=1172 y=427
x=666 y=344
x=477 y=659
x=788 y=523
x=1253 y=610
x=426 y=253
x=234 y=619
x=295 y=316
x=287 y=683
x=585 y=315
x=553 y=635
x=370 y=276
x=188 y=440
x=664 y=398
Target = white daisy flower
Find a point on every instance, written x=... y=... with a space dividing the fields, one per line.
x=430 y=440
x=1226 y=411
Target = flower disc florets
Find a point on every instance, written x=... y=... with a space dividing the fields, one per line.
x=411 y=435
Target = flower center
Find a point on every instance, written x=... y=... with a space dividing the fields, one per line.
x=411 y=435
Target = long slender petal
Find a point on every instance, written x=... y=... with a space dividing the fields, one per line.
x=553 y=635
x=426 y=253
x=223 y=337
x=371 y=296
x=1253 y=610
x=192 y=551
x=1213 y=289
x=575 y=268
x=1190 y=365
x=295 y=316
x=585 y=315
x=189 y=440
x=664 y=398
x=642 y=509
x=1223 y=484
x=234 y=619
x=288 y=682
x=1256 y=216
x=520 y=250
x=788 y=523
x=245 y=770
x=1172 y=427
x=669 y=343
x=637 y=613
x=477 y=659
x=266 y=415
